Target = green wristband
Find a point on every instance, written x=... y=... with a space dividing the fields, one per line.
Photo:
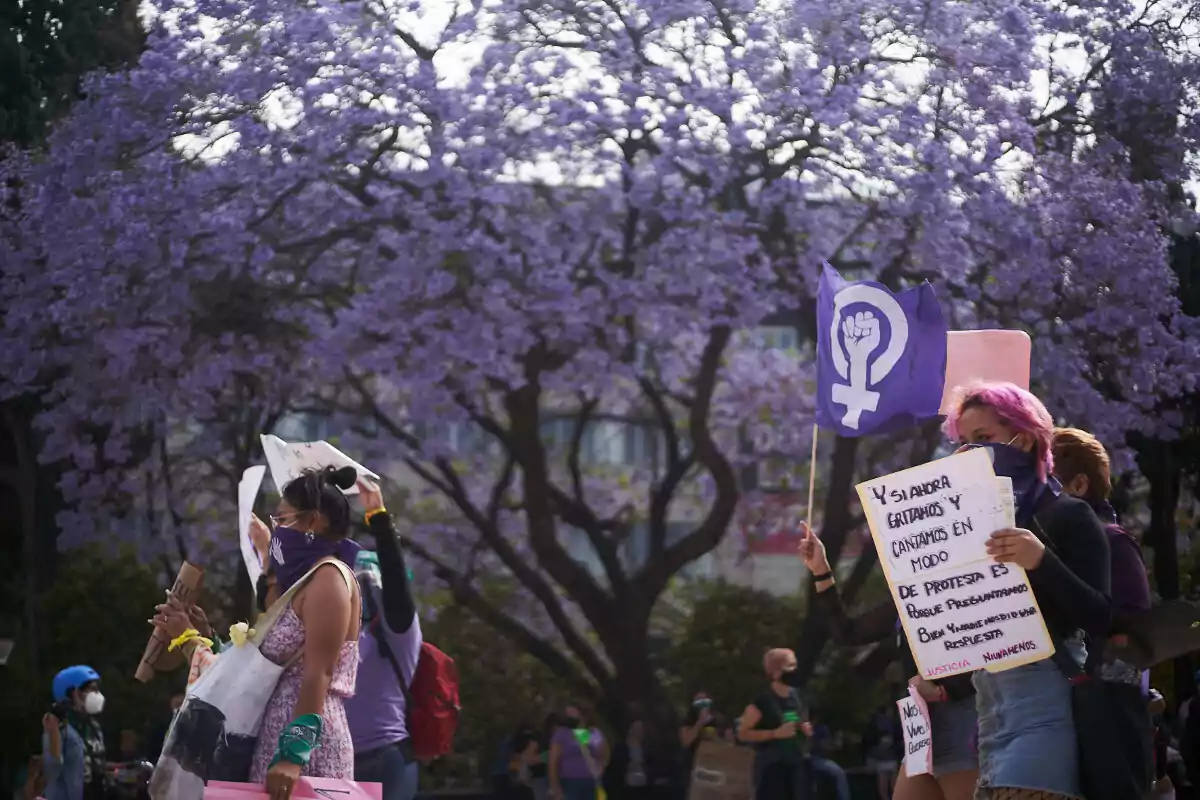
x=298 y=740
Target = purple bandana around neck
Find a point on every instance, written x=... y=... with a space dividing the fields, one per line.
x=294 y=553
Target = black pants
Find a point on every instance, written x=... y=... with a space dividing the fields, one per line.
x=783 y=780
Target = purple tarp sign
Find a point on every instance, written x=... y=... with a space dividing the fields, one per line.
x=881 y=357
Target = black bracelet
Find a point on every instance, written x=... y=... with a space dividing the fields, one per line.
x=826 y=576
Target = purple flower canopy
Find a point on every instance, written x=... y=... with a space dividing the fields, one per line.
x=288 y=208
x=881 y=357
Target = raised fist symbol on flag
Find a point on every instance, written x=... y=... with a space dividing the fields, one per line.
x=862 y=337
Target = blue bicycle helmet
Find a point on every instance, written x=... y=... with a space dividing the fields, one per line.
x=72 y=678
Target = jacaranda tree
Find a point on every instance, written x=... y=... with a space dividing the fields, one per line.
x=511 y=222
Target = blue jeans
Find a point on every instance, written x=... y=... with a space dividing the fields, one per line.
x=832 y=771
x=578 y=788
x=387 y=766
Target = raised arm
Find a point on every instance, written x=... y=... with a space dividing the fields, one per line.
x=875 y=624
x=399 y=609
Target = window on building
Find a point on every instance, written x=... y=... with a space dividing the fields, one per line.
x=605 y=442
x=778 y=337
x=779 y=474
x=302 y=428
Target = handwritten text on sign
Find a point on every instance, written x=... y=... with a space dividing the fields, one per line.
x=918 y=734
x=936 y=515
x=961 y=611
x=978 y=616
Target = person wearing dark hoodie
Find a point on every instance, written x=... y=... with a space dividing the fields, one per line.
x=389 y=648
x=951 y=700
x=1082 y=466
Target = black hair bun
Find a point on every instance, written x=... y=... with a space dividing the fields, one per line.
x=344 y=478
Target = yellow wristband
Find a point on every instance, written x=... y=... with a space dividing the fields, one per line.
x=187 y=636
x=370 y=515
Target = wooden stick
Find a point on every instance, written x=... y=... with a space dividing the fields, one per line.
x=812 y=475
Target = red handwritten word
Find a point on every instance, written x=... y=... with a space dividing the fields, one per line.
x=943 y=669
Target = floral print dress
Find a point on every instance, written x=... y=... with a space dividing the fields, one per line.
x=334 y=756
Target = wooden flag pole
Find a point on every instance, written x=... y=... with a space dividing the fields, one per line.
x=812 y=475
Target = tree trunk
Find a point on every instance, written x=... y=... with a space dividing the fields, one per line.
x=1159 y=464
x=642 y=695
x=22 y=476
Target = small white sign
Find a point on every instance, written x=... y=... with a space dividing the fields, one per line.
x=918 y=734
x=288 y=461
x=248 y=488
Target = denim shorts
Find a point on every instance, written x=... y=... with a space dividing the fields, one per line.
x=1027 y=729
x=954 y=729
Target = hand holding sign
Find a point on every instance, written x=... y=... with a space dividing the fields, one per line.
x=369 y=495
x=929 y=692
x=1016 y=546
x=260 y=537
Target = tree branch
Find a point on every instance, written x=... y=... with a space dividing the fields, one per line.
x=470 y=598
x=708 y=534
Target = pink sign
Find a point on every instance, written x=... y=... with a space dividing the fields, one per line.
x=985 y=356
x=306 y=789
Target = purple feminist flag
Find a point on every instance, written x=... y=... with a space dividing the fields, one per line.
x=881 y=357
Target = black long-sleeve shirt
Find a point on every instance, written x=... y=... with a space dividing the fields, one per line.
x=1073 y=584
x=877 y=624
x=399 y=609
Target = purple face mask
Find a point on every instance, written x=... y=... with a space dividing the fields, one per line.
x=1020 y=467
x=294 y=553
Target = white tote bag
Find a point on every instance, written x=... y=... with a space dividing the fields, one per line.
x=215 y=732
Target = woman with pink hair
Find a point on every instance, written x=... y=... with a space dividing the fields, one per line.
x=1027 y=743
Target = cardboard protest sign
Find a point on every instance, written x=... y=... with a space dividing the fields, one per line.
x=288 y=461
x=918 y=734
x=961 y=611
x=156 y=657
x=985 y=356
x=722 y=772
x=247 y=492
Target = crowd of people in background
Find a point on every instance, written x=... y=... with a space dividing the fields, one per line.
x=351 y=641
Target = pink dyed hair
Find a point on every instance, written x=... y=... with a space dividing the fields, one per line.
x=1016 y=407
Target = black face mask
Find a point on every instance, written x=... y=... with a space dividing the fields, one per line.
x=574 y=722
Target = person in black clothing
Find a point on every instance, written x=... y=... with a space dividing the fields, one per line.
x=539 y=771
x=776 y=724
x=1027 y=737
x=633 y=773
x=698 y=725
x=513 y=783
x=158 y=733
x=951 y=700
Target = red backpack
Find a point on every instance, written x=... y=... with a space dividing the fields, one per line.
x=431 y=704
x=430 y=700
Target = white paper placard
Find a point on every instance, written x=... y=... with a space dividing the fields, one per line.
x=918 y=734
x=288 y=461
x=936 y=515
x=960 y=610
x=247 y=492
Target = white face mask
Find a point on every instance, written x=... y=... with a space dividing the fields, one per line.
x=93 y=703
